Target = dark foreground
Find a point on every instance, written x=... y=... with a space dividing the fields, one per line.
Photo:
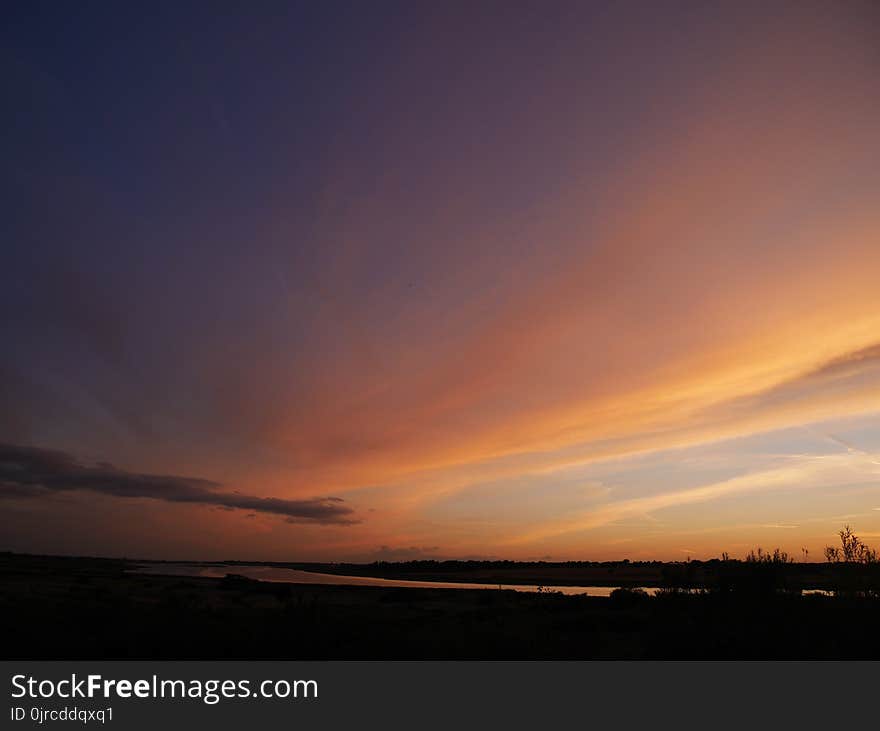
x=53 y=608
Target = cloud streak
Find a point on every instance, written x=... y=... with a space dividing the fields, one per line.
x=29 y=472
x=807 y=472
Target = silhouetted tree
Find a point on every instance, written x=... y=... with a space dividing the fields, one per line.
x=852 y=549
x=855 y=566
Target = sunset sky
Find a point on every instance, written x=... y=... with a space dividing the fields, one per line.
x=372 y=281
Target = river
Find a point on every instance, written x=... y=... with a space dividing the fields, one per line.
x=296 y=576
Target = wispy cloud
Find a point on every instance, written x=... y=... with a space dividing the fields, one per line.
x=851 y=448
x=805 y=473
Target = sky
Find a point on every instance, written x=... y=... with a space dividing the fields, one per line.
x=383 y=281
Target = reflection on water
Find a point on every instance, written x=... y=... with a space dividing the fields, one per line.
x=295 y=576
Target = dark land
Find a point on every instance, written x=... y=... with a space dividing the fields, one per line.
x=684 y=575
x=85 y=608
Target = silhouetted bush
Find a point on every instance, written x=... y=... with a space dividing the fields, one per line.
x=855 y=566
x=627 y=597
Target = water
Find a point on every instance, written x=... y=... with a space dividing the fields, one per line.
x=296 y=576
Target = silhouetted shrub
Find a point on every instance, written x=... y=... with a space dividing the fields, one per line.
x=855 y=566
x=627 y=597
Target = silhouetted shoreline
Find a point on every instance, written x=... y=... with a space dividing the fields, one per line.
x=78 y=608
